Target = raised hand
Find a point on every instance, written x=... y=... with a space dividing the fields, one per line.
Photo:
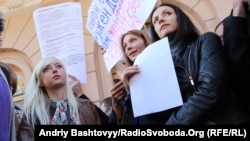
x=238 y=8
x=76 y=86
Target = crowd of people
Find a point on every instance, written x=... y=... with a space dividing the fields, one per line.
x=207 y=95
x=212 y=70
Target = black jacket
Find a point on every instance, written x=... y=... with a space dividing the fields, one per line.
x=201 y=69
x=202 y=73
x=236 y=38
x=202 y=61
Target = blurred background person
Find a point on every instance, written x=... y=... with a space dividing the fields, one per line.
x=7 y=118
x=12 y=81
x=234 y=31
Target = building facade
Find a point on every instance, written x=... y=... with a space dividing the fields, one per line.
x=20 y=47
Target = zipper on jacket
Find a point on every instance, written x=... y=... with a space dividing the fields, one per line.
x=189 y=69
x=189 y=76
x=192 y=82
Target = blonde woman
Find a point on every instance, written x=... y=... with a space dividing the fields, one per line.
x=49 y=100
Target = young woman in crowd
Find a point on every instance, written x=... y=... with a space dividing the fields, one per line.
x=201 y=68
x=193 y=61
x=133 y=43
x=49 y=100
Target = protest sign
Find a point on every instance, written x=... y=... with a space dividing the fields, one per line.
x=59 y=31
x=109 y=19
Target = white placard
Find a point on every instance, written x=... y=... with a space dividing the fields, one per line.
x=60 y=33
x=155 y=88
x=108 y=20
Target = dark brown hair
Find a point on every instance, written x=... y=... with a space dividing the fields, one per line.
x=185 y=25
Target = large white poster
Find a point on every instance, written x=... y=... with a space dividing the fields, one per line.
x=60 y=33
x=155 y=88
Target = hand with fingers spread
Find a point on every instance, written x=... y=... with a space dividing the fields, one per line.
x=76 y=86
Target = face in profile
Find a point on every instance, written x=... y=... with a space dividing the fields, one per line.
x=53 y=75
x=133 y=45
x=164 y=21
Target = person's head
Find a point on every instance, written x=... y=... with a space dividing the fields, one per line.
x=48 y=76
x=12 y=77
x=133 y=43
x=106 y=105
x=170 y=21
x=48 y=79
x=51 y=74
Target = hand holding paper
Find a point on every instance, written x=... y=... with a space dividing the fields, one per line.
x=155 y=88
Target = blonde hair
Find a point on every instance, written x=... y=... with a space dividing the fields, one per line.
x=35 y=96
